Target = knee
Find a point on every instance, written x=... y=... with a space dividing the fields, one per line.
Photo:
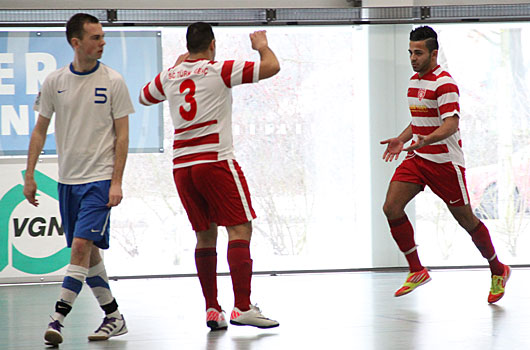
x=206 y=241
x=81 y=247
x=392 y=211
x=468 y=223
x=240 y=232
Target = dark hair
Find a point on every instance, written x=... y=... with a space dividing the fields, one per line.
x=425 y=33
x=198 y=37
x=74 y=26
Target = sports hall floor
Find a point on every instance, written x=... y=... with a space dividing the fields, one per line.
x=325 y=311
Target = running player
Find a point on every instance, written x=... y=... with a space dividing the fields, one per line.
x=435 y=159
x=91 y=105
x=210 y=183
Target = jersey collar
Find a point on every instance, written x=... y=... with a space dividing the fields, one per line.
x=84 y=73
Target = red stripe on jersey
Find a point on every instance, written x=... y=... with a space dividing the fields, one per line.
x=195 y=157
x=148 y=96
x=248 y=72
x=195 y=126
x=444 y=74
x=460 y=143
x=197 y=141
x=226 y=73
x=423 y=130
x=449 y=107
x=433 y=149
x=446 y=88
x=415 y=92
x=422 y=111
x=158 y=85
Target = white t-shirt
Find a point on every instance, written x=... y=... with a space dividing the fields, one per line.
x=85 y=106
x=200 y=102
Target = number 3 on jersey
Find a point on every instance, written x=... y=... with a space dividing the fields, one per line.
x=189 y=85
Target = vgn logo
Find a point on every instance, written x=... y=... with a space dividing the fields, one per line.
x=32 y=230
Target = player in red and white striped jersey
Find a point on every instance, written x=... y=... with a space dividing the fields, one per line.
x=210 y=183
x=435 y=159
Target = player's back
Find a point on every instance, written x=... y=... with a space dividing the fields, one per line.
x=200 y=103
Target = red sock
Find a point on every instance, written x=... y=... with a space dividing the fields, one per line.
x=206 y=262
x=403 y=234
x=240 y=265
x=481 y=237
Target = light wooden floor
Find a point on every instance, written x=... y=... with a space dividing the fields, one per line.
x=316 y=311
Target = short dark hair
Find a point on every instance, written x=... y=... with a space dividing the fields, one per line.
x=198 y=37
x=425 y=33
x=74 y=26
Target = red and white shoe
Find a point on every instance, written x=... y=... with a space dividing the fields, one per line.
x=215 y=319
x=252 y=317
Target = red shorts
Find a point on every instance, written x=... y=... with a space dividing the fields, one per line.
x=446 y=180
x=214 y=193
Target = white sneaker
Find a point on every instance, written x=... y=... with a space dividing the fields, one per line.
x=53 y=334
x=216 y=320
x=111 y=327
x=252 y=317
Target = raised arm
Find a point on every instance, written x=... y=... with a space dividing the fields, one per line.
x=269 y=65
x=36 y=143
x=152 y=92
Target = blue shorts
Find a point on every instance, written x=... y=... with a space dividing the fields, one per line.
x=84 y=212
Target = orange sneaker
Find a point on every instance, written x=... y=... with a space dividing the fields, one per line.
x=498 y=283
x=414 y=280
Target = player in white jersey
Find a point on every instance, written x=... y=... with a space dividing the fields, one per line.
x=91 y=105
x=210 y=183
x=435 y=159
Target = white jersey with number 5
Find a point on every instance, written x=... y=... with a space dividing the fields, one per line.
x=85 y=106
x=200 y=102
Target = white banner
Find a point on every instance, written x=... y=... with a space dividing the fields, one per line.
x=32 y=242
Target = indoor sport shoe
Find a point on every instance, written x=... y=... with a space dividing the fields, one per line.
x=252 y=317
x=111 y=327
x=498 y=283
x=53 y=335
x=414 y=280
x=216 y=320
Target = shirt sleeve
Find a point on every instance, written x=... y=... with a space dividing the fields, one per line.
x=44 y=102
x=448 y=97
x=236 y=73
x=153 y=92
x=121 y=104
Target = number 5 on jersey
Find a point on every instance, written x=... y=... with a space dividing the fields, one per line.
x=101 y=96
x=189 y=114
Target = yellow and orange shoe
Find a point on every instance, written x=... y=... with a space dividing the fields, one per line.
x=498 y=283
x=414 y=280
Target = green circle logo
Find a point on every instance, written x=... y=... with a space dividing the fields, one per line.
x=22 y=262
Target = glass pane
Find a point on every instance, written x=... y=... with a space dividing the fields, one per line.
x=301 y=139
x=489 y=63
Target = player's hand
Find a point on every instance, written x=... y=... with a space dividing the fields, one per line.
x=30 y=191
x=181 y=58
x=259 y=40
x=420 y=142
x=115 y=195
x=393 y=149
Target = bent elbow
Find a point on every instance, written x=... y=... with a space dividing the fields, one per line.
x=276 y=68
